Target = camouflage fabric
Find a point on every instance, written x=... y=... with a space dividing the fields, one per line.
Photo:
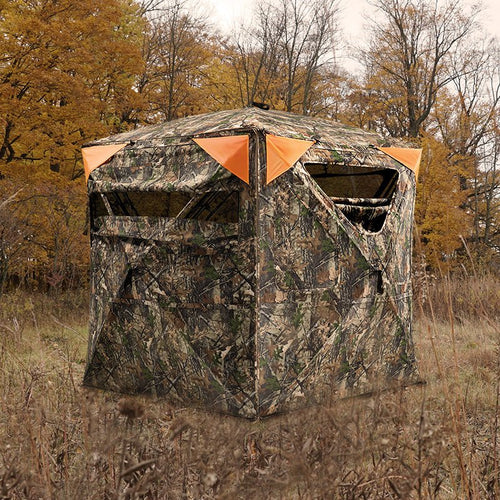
x=281 y=297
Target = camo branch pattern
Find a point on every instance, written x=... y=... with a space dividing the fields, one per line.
x=294 y=304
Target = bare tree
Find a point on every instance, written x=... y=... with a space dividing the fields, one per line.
x=476 y=89
x=308 y=33
x=412 y=48
x=281 y=57
x=256 y=57
x=150 y=7
x=466 y=119
x=485 y=202
x=320 y=47
x=174 y=53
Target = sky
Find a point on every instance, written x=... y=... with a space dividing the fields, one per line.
x=354 y=14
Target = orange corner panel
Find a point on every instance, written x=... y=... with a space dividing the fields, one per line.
x=282 y=153
x=409 y=157
x=230 y=151
x=95 y=156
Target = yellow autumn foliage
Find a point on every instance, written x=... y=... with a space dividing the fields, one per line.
x=441 y=221
x=74 y=71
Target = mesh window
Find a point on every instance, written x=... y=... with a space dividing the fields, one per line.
x=217 y=206
x=339 y=181
x=147 y=203
x=363 y=195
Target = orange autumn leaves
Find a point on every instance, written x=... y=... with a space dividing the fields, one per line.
x=73 y=71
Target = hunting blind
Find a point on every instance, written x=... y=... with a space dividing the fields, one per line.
x=249 y=261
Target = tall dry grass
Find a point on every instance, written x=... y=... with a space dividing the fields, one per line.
x=438 y=440
x=462 y=297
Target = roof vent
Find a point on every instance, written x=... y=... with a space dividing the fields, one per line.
x=261 y=105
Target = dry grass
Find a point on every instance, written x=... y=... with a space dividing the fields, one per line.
x=461 y=298
x=58 y=440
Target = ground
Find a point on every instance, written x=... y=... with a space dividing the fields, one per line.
x=60 y=440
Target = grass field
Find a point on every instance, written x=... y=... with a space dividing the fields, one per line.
x=437 y=440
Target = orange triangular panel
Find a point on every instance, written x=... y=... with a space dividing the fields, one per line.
x=230 y=151
x=95 y=156
x=409 y=157
x=282 y=153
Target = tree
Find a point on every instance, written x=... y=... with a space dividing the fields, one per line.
x=465 y=119
x=408 y=58
x=308 y=35
x=283 y=59
x=256 y=58
x=442 y=223
x=176 y=50
x=12 y=234
x=42 y=240
x=486 y=204
x=66 y=75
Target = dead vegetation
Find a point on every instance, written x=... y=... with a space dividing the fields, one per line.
x=438 y=440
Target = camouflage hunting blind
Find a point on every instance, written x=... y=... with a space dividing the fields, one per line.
x=249 y=261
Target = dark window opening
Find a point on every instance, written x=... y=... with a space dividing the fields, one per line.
x=147 y=203
x=339 y=181
x=97 y=206
x=217 y=206
x=362 y=194
x=380 y=283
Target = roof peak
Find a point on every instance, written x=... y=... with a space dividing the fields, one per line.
x=281 y=123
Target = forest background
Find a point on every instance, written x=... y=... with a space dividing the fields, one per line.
x=74 y=71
